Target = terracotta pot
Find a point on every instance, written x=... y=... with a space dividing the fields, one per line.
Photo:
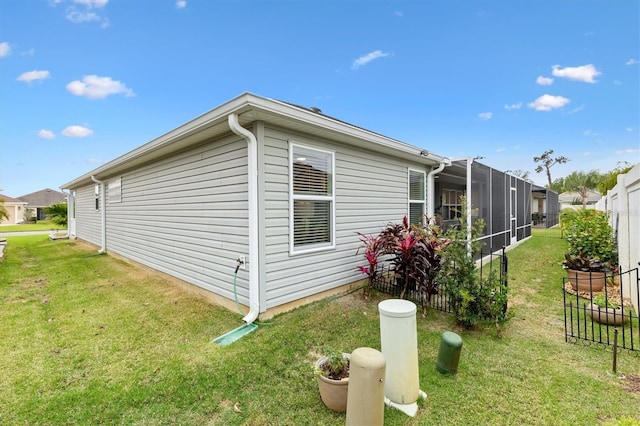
x=333 y=392
x=589 y=282
x=609 y=316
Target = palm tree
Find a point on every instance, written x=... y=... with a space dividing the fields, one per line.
x=57 y=213
x=4 y=214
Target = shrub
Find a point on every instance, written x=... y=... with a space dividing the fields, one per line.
x=590 y=239
x=475 y=298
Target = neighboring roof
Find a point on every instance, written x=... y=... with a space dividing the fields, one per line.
x=568 y=197
x=44 y=198
x=251 y=108
x=537 y=188
x=11 y=200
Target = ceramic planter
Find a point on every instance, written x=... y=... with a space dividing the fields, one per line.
x=333 y=392
x=608 y=316
x=588 y=282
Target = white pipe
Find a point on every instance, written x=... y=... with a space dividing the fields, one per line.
x=253 y=264
x=468 y=206
x=431 y=210
x=103 y=215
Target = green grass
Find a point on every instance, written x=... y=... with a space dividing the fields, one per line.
x=89 y=339
x=42 y=225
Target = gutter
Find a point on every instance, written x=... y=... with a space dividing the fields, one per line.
x=253 y=263
x=103 y=215
x=430 y=185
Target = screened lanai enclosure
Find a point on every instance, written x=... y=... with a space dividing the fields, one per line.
x=545 y=207
x=501 y=200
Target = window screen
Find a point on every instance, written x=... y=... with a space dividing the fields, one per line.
x=312 y=194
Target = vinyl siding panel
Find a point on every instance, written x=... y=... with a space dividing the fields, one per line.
x=186 y=215
x=370 y=191
x=88 y=219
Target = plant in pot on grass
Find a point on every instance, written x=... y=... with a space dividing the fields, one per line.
x=332 y=372
x=592 y=255
x=605 y=311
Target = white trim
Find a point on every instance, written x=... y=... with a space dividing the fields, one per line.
x=424 y=192
x=332 y=198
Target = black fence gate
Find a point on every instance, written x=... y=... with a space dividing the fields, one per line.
x=604 y=317
x=488 y=262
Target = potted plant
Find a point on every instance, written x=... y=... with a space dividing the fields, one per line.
x=605 y=311
x=592 y=250
x=332 y=372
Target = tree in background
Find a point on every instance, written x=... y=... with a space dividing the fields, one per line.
x=548 y=162
x=522 y=174
x=4 y=214
x=580 y=182
x=610 y=179
x=57 y=213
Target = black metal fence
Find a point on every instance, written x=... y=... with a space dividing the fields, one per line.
x=385 y=282
x=603 y=317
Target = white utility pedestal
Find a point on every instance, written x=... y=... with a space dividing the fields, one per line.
x=399 y=344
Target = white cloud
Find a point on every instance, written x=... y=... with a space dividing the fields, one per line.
x=29 y=52
x=548 y=102
x=631 y=61
x=77 y=132
x=34 y=75
x=363 y=60
x=628 y=151
x=94 y=161
x=46 y=134
x=578 y=109
x=629 y=129
x=5 y=49
x=584 y=73
x=96 y=87
x=590 y=133
x=617 y=82
x=398 y=13
x=181 y=4
x=501 y=149
x=485 y=115
x=92 y=3
x=544 y=81
x=513 y=106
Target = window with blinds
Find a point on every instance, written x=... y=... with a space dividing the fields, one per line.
x=417 y=196
x=312 y=195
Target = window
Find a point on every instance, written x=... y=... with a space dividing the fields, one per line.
x=97 y=196
x=312 y=209
x=451 y=204
x=417 y=196
x=115 y=190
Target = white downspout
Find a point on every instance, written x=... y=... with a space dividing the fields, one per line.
x=103 y=215
x=468 y=206
x=252 y=159
x=431 y=208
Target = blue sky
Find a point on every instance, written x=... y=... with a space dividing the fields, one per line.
x=84 y=81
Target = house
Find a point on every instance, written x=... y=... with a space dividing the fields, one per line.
x=573 y=199
x=545 y=207
x=15 y=208
x=278 y=189
x=39 y=201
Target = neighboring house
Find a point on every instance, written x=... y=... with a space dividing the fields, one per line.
x=39 y=201
x=573 y=199
x=545 y=207
x=15 y=208
x=283 y=187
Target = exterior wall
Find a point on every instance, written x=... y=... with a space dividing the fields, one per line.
x=16 y=214
x=185 y=215
x=623 y=204
x=88 y=220
x=371 y=191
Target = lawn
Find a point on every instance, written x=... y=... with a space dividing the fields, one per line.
x=42 y=225
x=89 y=339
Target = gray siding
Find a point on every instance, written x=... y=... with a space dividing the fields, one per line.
x=371 y=190
x=88 y=220
x=186 y=215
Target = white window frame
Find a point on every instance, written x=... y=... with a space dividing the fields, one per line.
x=293 y=250
x=422 y=201
x=449 y=206
x=114 y=190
